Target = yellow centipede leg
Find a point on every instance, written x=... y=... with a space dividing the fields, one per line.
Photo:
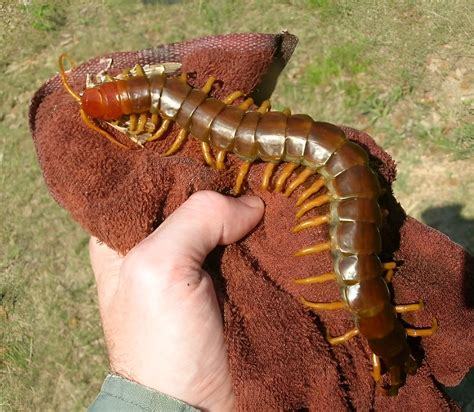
x=153 y=123
x=318 y=201
x=163 y=128
x=267 y=175
x=177 y=143
x=320 y=247
x=343 y=338
x=245 y=105
x=220 y=160
x=413 y=307
x=264 y=107
x=389 y=265
x=323 y=306
x=133 y=122
x=142 y=119
x=206 y=148
x=314 y=222
x=208 y=86
x=89 y=123
x=376 y=368
x=244 y=169
x=206 y=152
x=314 y=188
x=423 y=331
x=285 y=174
x=286 y=111
x=231 y=98
x=300 y=179
x=316 y=279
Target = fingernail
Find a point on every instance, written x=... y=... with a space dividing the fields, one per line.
x=252 y=201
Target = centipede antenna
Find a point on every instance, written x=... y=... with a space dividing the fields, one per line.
x=62 y=74
x=89 y=123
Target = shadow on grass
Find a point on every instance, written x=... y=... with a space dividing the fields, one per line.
x=448 y=219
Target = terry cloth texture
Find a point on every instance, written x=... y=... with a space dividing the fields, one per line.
x=279 y=357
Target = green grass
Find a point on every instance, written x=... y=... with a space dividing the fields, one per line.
x=399 y=70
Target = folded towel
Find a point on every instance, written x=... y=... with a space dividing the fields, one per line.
x=279 y=357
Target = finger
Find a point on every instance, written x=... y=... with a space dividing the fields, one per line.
x=106 y=264
x=204 y=221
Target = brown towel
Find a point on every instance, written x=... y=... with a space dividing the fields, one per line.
x=279 y=357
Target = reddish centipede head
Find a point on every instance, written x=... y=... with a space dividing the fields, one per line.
x=102 y=102
x=92 y=103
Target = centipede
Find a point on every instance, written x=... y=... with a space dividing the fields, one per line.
x=143 y=104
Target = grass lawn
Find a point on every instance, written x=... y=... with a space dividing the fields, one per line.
x=402 y=71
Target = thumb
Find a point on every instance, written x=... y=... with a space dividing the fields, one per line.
x=205 y=220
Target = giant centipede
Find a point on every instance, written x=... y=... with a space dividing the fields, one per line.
x=342 y=166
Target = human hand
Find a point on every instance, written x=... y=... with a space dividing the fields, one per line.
x=160 y=315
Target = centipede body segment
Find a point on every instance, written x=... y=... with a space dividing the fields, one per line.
x=145 y=106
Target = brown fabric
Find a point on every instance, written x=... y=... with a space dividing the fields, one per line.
x=279 y=357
